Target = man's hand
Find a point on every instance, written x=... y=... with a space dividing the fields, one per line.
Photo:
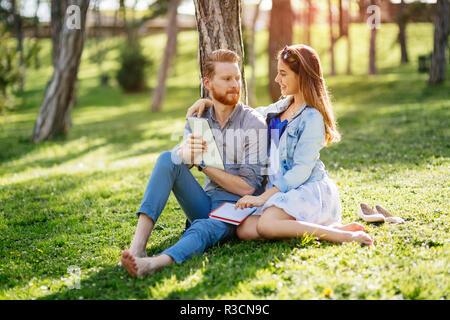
x=250 y=201
x=191 y=149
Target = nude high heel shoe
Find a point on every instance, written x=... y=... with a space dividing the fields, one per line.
x=368 y=214
x=388 y=216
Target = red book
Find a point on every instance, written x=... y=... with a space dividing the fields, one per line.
x=227 y=213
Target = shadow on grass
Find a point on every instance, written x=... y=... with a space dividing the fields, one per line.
x=119 y=132
x=218 y=272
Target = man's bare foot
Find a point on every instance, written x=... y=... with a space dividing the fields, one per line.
x=141 y=254
x=354 y=226
x=362 y=237
x=137 y=267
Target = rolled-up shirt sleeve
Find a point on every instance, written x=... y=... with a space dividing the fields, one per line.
x=306 y=153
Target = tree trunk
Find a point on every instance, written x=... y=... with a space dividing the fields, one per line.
x=169 y=54
x=308 y=22
x=441 y=31
x=332 y=39
x=280 y=35
x=219 y=27
x=372 y=47
x=18 y=23
x=37 y=61
x=349 y=41
x=402 y=20
x=54 y=116
x=58 y=11
x=252 y=85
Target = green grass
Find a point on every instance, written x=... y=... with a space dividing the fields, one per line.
x=72 y=202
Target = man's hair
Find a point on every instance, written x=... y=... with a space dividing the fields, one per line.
x=221 y=55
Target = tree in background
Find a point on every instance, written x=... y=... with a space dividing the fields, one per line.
x=348 y=19
x=441 y=32
x=133 y=63
x=402 y=20
x=169 y=54
x=332 y=39
x=54 y=115
x=219 y=27
x=18 y=26
x=100 y=48
x=280 y=35
x=372 y=23
x=252 y=55
x=9 y=70
x=37 y=62
x=308 y=21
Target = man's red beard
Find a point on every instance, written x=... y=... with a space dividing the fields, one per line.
x=227 y=99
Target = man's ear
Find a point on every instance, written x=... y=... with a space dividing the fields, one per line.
x=206 y=83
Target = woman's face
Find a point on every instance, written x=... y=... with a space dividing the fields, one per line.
x=287 y=79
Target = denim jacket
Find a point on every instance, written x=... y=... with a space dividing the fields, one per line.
x=299 y=146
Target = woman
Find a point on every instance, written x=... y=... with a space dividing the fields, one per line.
x=300 y=198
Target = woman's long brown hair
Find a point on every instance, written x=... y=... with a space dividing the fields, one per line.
x=305 y=62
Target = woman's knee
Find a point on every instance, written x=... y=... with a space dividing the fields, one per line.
x=265 y=227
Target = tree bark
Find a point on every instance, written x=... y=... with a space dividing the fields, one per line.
x=280 y=35
x=332 y=39
x=349 y=41
x=219 y=27
x=169 y=54
x=54 y=116
x=308 y=22
x=252 y=85
x=37 y=61
x=372 y=48
x=18 y=23
x=401 y=21
x=441 y=31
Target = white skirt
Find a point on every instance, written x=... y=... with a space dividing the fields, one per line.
x=315 y=202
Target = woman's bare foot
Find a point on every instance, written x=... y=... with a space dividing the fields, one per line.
x=136 y=266
x=354 y=226
x=362 y=237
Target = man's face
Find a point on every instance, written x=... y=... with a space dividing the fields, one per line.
x=225 y=85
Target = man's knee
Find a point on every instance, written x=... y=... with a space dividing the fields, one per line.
x=165 y=161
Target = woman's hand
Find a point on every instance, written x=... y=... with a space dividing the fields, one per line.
x=199 y=106
x=249 y=201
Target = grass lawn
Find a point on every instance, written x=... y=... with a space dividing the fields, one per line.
x=71 y=202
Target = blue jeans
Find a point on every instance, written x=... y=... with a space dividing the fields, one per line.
x=195 y=202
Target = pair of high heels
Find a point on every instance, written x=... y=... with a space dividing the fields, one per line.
x=379 y=214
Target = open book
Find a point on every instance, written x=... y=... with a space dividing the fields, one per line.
x=227 y=213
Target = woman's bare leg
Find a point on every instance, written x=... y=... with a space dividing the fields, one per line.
x=277 y=224
x=352 y=226
x=247 y=229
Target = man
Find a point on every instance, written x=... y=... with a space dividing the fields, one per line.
x=242 y=175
